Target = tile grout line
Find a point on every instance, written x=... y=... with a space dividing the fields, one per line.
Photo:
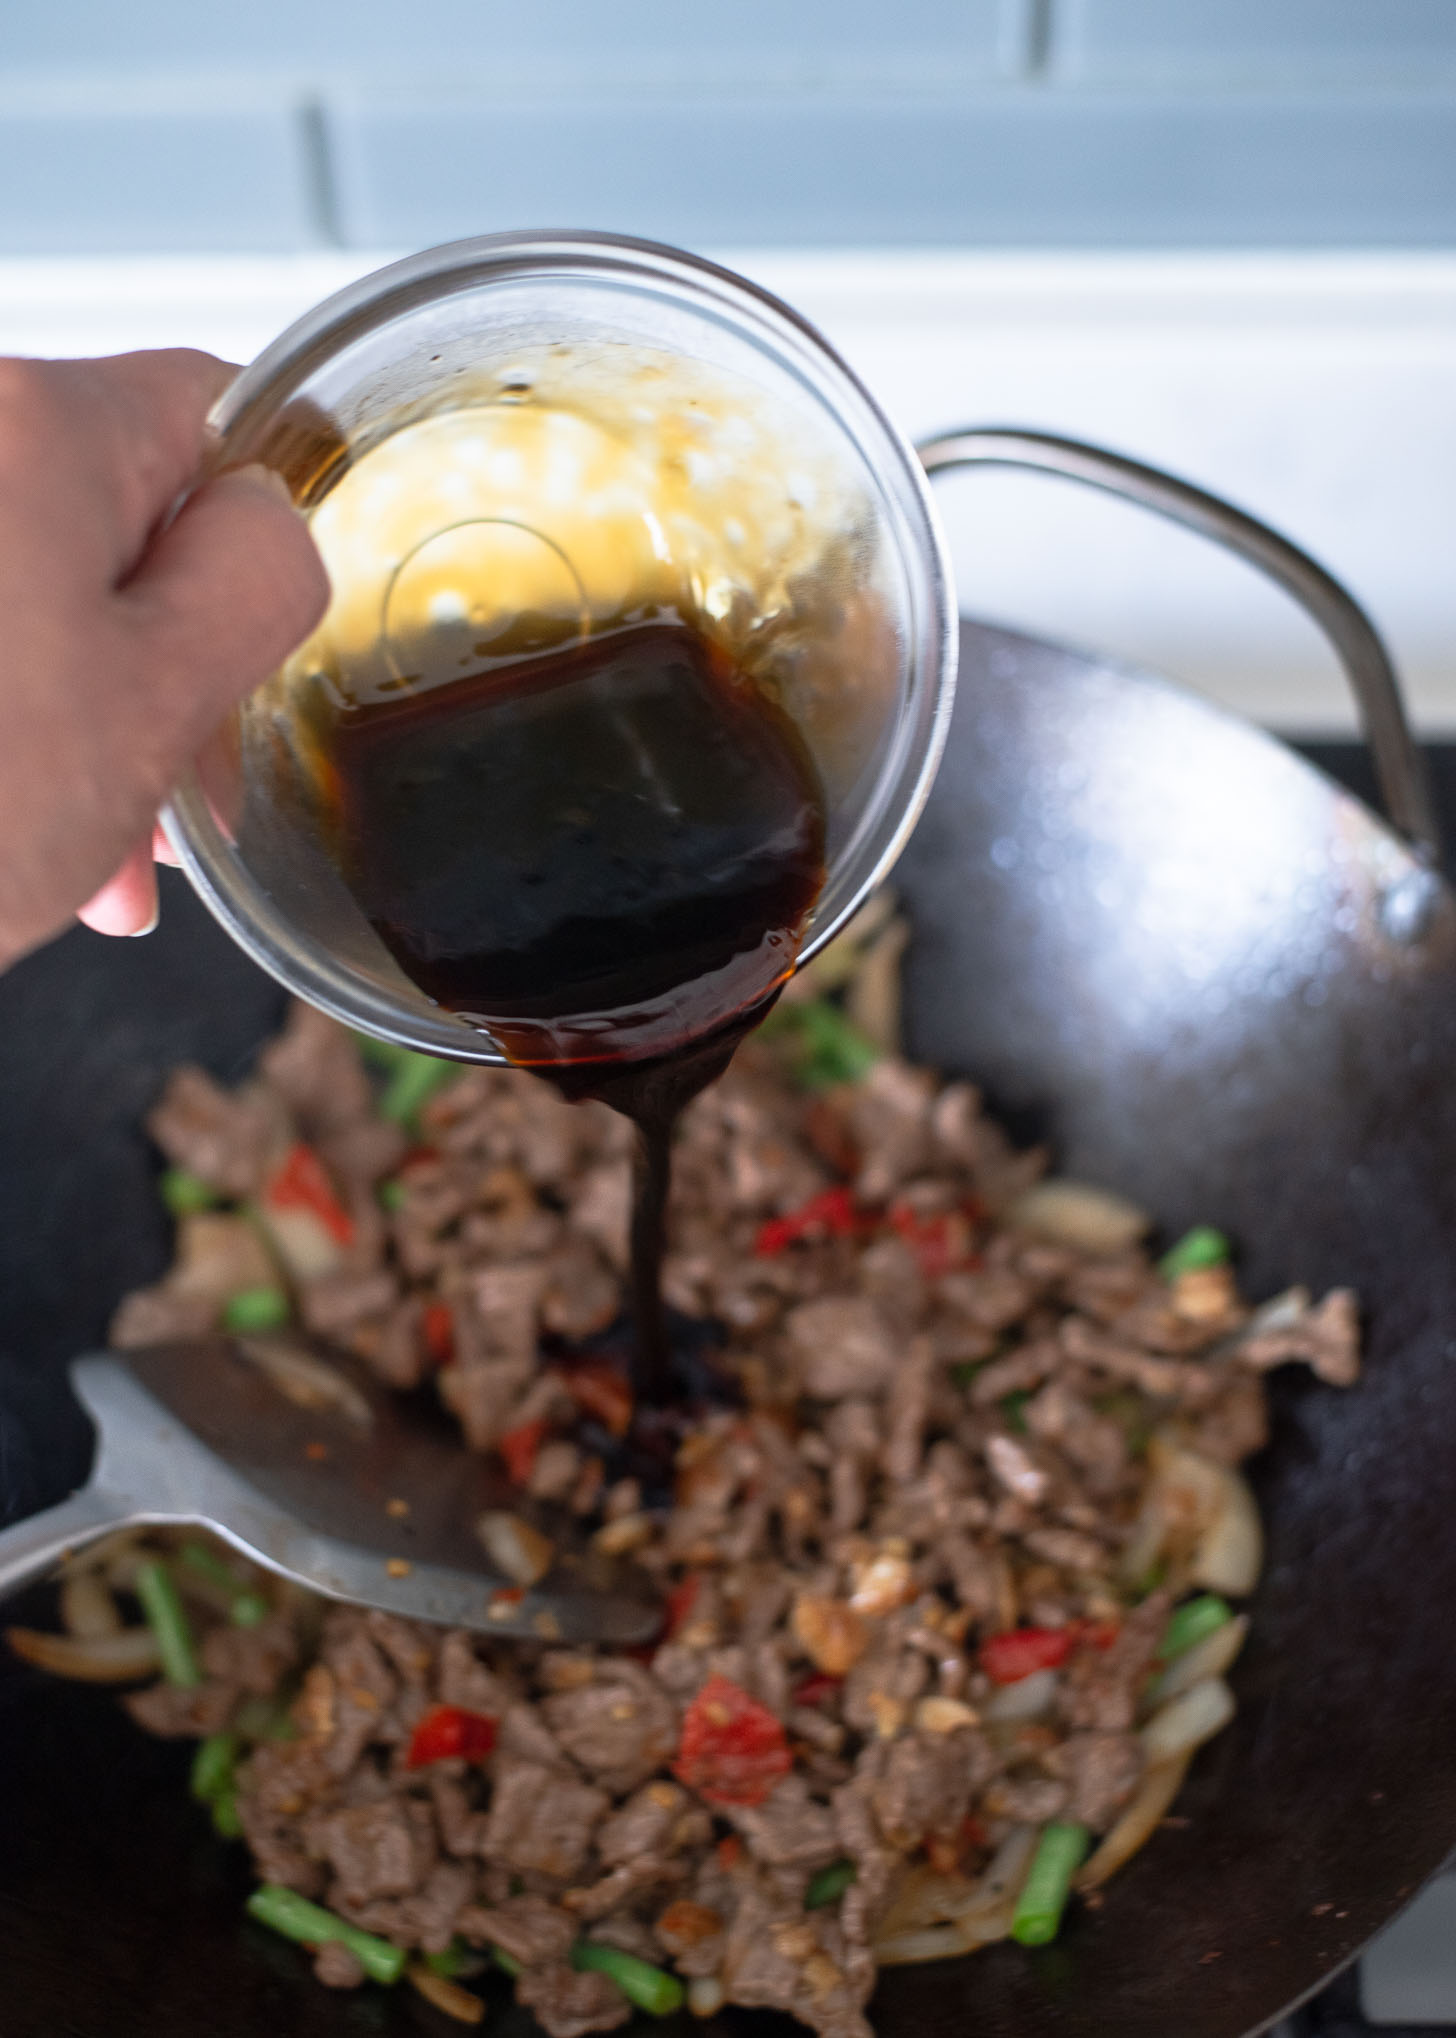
x=1039 y=31
x=320 y=183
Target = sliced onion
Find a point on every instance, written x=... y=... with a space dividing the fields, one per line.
x=1208 y=1658
x=1200 y=1514
x=515 y=1548
x=1027 y=1699
x=218 y=1254
x=1076 y=1214
x=1160 y=1785
x=87 y=1607
x=1230 y=1554
x=305 y=1380
x=1188 y=1720
x=446 y=1996
x=925 y=1898
x=705 y=1995
x=89 y=1659
x=944 y=1942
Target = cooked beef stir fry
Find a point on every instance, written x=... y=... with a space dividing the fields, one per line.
x=947 y=1567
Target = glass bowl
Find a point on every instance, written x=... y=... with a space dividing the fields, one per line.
x=517 y=440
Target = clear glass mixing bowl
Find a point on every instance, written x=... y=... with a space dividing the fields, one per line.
x=513 y=441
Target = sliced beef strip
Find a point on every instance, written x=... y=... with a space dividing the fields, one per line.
x=1026 y=1800
x=332 y=1304
x=1101 y=1687
x=789 y=1829
x=654 y=1821
x=173 y=1713
x=567 y=2004
x=228 y=1138
x=377 y=1850
x=926 y=1785
x=541 y=1819
x=364 y=1688
x=622 y=1886
x=780 y=1957
x=336 y=1967
x=257 y=1659
x=1237 y=1424
x=461 y=1826
x=465 y=1680
x=840 y=1345
x=620 y=1730
x=525 y=1735
x=315 y=1066
x=1101 y=1771
x=276 y=1787
x=529 y=1929
x=159 y=1315
x=693 y=1934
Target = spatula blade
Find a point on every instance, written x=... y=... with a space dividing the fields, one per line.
x=364 y=1496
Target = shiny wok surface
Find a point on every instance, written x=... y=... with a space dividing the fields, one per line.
x=1217 y=983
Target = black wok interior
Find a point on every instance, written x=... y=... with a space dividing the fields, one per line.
x=1307 y=1105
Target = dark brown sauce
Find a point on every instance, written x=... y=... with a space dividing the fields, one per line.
x=604 y=855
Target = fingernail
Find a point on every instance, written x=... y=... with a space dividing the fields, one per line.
x=269 y=478
x=150 y=928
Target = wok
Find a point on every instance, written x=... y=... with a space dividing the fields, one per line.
x=1214 y=981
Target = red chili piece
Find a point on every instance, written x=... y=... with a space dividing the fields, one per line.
x=831 y=1214
x=1007 y=1658
x=1095 y=1634
x=447 y=1730
x=680 y=1603
x=733 y=1749
x=518 y=1447
x=815 y=1689
x=301 y=1184
x=938 y=1243
x=437 y=1326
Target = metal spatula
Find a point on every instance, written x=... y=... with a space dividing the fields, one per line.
x=356 y=1493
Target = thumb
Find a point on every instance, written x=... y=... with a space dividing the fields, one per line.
x=225 y=592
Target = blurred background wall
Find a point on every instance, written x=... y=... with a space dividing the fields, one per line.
x=1219 y=234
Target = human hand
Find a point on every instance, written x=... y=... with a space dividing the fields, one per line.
x=125 y=641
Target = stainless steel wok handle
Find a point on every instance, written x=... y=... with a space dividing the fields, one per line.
x=1399 y=764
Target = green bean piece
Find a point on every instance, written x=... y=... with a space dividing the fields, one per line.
x=506 y=1962
x=965 y=1370
x=824 y=1046
x=1060 y=1852
x=1191 y=1623
x=380 y=1054
x=650 y=1988
x=264 y=1719
x=167 y=1621
x=390 y=1195
x=226 y=1822
x=204 y=1560
x=185 y=1193
x=415 y=1080
x=213 y=1765
x=1013 y=1410
x=293 y=1917
x=248 y=1609
x=828 y=1885
x=253 y=1310
x=457 y=1959
x=1201 y=1247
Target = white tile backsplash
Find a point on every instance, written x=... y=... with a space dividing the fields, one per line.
x=1317 y=391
